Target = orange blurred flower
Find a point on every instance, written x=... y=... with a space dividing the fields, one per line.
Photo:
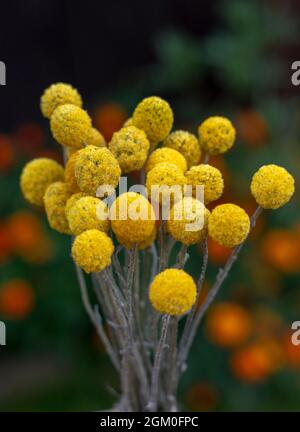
x=7 y=153
x=281 y=249
x=109 y=118
x=291 y=351
x=228 y=324
x=202 y=397
x=252 y=128
x=30 y=137
x=267 y=322
x=5 y=244
x=217 y=254
x=16 y=299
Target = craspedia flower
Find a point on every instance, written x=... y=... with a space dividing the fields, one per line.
x=172 y=292
x=187 y=144
x=228 y=225
x=88 y=213
x=95 y=138
x=56 y=196
x=130 y=147
x=165 y=154
x=70 y=125
x=168 y=180
x=92 y=250
x=132 y=218
x=36 y=176
x=142 y=245
x=188 y=221
x=216 y=135
x=72 y=200
x=155 y=116
x=70 y=172
x=272 y=186
x=59 y=94
x=94 y=167
x=210 y=178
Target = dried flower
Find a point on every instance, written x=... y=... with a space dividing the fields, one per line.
x=165 y=154
x=88 y=213
x=210 y=178
x=187 y=144
x=165 y=175
x=59 y=94
x=56 y=196
x=216 y=135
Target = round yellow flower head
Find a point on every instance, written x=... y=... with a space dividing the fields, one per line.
x=56 y=196
x=142 y=245
x=130 y=147
x=59 y=94
x=70 y=125
x=95 y=138
x=155 y=116
x=72 y=200
x=210 y=178
x=165 y=154
x=70 y=172
x=95 y=167
x=36 y=176
x=165 y=182
x=272 y=186
x=187 y=144
x=92 y=250
x=188 y=221
x=216 y=135
x=132 y=218
x=228 y=225
x=88 y=213
x=172 y=292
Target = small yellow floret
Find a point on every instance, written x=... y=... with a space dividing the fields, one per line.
x=172 y=292
x=36 y=176
x=216 y=135
x=88 y=213
x=210 y=178
x=228 y=225
x=56 y=196
x=165 y=182
x=70 y=172
x=59 y=94
x=72 y=200
x=272 y=186
x=92 y=250
x=165 y=154
x=95 y=138
x=187 y=144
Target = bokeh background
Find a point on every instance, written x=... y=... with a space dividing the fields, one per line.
x=205 y=57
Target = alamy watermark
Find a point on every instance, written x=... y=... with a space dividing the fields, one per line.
x=295 y=338
x=2 y=333
x=295 y=78
x=2 y=73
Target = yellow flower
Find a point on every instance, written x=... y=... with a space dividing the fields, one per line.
x=59 y=94
x=132 y=218
x=210 y=178
x=272 y=186
x=187 y=144
x=95 y=138
x=228 y=225
x=72 y=200
x=94 y=167
x=142 y=245
x=56 y=196
x=188 y=221
x=70 y=172
x=36 y=176
x=216 y=135
x=172 y=292
x=92 y=250
x=155 y=116
x=88 y=213
x=70 y=125
x=166 y=155
x=130 y=147
x=168 y=180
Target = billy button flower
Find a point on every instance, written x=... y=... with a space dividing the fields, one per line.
x=142 y=245
x=272 y=186
x=228 y=225
x=95 y=138
x=59 y=94
x=92 y=250
x=164 y=175
x=130 y=146
x=172 y=292
x=185 y=143
x=210 y=178
x=188 y=221
x=154 y=116
x=166 y=154
x=70 y=125
x=216 y=135
x=36 y=176
x=56 y=196
x=72 y=200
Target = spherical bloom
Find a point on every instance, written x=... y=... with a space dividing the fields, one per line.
x=70 y=125
x=165 y=178
x=155 y=116
x=130 y=147
x=59 y=94
x=272 y=186
x=210 y=178
x=16 y=299
x=188 y=221
x=72 y=200
x=36 y=176
x=165 y=154
x=70 y=172
x=132 y=218
x=56 y=196
x=228 y=324
x=187 y=144
x=95 y=138
x=216 y=135
x=172 y=292
x=92 y=250
x=94 y=167
x=142 y=245
x=228 y=225
x=88 y=213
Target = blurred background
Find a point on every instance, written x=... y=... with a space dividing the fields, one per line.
x=231 y=58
